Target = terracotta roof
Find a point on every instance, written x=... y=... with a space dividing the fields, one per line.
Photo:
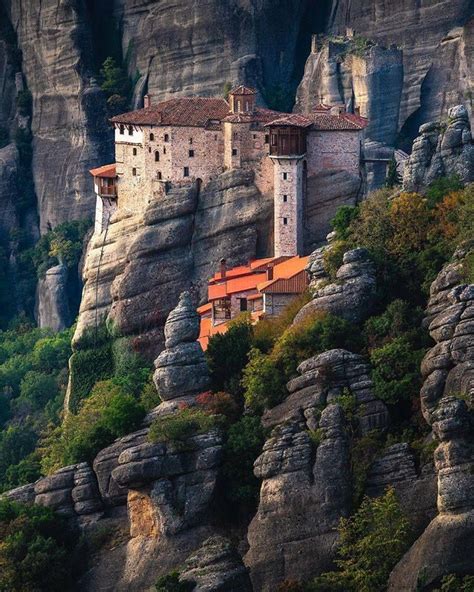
x=204 y=308
x=185 y=112
x=258 y=115
x=207 y=330
x=344 y=121
x=243 y=90
x=245 y=283
x=322 y=107
x=294 y=120
x=106 y=171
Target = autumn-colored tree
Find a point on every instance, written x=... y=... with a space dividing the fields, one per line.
x=411 y=221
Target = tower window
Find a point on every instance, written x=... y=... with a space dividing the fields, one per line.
x=149 y=149
x=134 y=172
x=167 y=138
x=254 y=136
x=285 y=176
x=164 y=149
x=186 y=172
x=152 y=137
x=190 y=140
x=134 y=152
x=285 y=221
x=234 y=151
x=157 y=156
x=285 y=198
x=122 y=129
x=158 y=175
x=191 y=153
x=130 y=130
x=267 y=138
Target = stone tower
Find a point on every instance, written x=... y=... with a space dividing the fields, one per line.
x=288 y=151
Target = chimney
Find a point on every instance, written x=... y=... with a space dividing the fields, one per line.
x=270 y=273
x=223 y=268
x=146 y=101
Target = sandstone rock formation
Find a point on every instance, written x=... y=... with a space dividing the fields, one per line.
x=181 y=369
x=446 y=397
x=52 y=299
x=302 y=497
x=353 y=295
x=135 y=272
x=216 y=567
x=441 y=150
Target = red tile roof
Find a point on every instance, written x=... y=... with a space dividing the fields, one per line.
x=186 y=112
x=259 y=115
x=344 y=121
x=294 y=120
x=243 y=90
x=106 y=171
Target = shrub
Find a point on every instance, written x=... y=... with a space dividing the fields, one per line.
x=36 y=389
x=395 y=371
x=244 y=443
x=221 y=403
x=439 y=188
x=342 y=221
x=364 y=450
x=149 y=396
x=263 y=382
x=35 y=550
x=227 y=355
x=393 y=176
x=333 y=257
x=399 y=319
x=171 y=583
x=456 y=583
x=370 y=544
x=180 y=426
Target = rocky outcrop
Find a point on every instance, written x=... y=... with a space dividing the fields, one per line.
x=69 y=118
x=135 y=272
x=325 y=377
x=303 y=495
x=9 y=195
x=446 y=398
x=436 y=40
x=352 y=296
x=52 y=299
x=339 y=72
x=397 y=468
x=181 y=369
x=441 y=149
x=216 y=567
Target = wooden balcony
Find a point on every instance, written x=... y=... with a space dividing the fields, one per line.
x=110 y=191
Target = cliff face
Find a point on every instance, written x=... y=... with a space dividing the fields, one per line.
x=135 y=272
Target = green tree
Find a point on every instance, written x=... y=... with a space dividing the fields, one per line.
x=341 y=222
x=393 y=177
x=370 y=544
x=263 y=382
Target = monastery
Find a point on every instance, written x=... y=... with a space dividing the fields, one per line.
x=192 y=140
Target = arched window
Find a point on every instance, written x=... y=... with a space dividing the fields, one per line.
x=134 y=152
x=122 y=129
x=167 y=138
x=157 y=156
x=152 y=137
x=130 y=130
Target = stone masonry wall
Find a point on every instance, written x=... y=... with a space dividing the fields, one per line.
x=288 y=237
x=333 y=150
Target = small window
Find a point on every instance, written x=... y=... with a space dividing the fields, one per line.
x=157 y=156
x=134 y=152
x=130 y=130
x=186 y=172
x=191 y=153
x=267 y=138
x=285 y=176
x=234 y=151
x=149 y=148
x=254 y=136
x=285 y=198
x=134 y=172
x=158 y=174
x=122 y=129
x=215 y=136
x=152 y=137
x=190 y=140
x=167 y=138
x=285 y=221
x=164 y=149
x=243 y=304
x=235 y=136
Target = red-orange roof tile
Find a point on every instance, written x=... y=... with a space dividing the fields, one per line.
x=185 y=112
x=243 y=90
x=344 y=122
x=293 y=120
x=106 y=171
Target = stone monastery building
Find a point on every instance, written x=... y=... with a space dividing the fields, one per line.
x=192 y=140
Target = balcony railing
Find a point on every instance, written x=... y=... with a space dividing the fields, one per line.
x=108 y=191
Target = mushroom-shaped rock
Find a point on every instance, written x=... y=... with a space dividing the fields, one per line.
x=181 y=369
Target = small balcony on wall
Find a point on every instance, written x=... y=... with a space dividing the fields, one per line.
x=287 y=141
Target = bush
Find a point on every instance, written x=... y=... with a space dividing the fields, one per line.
x=456 y=583
x=35 y=550
x=439 y=188
x=333 y=257
x=171 y=583
x=178 y=427
x=227 y=355
x=244 y=443
x=396 y=373
x=263 y=382
x=399 y=319
x=36 y=389
x=342 y=221
x=370 y=544
x=221 y=403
